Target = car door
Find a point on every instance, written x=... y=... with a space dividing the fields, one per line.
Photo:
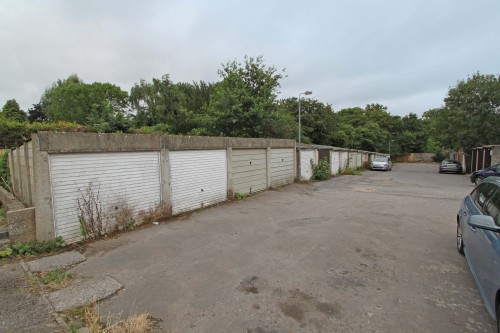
x=479 y=242
x=491 y=279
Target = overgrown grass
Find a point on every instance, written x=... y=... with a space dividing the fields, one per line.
x=159 y=212
x=240 y=196
x=352 y=171
x=3 y=212
x=90 y=318
x=55 y=279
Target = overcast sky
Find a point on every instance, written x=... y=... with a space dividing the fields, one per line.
x=404 y=54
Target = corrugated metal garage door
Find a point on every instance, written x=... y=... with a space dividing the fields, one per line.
x=344 y=158
x=133 y=178
x=198 y=178
x=281 y=167
x=335 y=165
x=249 y=170
x=305 y=164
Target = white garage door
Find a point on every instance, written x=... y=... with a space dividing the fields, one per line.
x=344 y=159
x=305 y=164
x=198 y=178
x=352 y=160
x=118 y=178
x=335 y=158
x=281 y=167
x=359 y=159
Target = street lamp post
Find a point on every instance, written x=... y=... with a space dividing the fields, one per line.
x=390 y=147
x=300 y=163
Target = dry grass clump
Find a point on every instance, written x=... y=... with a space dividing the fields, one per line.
x=160 y=212
x=140 y=323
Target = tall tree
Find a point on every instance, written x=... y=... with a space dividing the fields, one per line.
x=471 y=115
x=244 y=102
x=97 y=104
x=154 y=102
x=317 y=119
x=476 y=103
x=35 y=114
x=413 y=135
x=11 y=110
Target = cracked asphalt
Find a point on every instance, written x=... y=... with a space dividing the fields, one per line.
x=370 y=253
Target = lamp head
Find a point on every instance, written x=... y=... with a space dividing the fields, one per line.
x=308 y=92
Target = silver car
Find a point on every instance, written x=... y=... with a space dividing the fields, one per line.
x=381 y=163
x=478 y=230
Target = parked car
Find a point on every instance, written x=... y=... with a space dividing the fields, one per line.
x=381 y=163
x=450 y=166
x=477 y=176
x=478 y=230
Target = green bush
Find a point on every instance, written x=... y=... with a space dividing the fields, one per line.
x=352 y=171
x=321 y=171
x=14 y=133
x=36 y=247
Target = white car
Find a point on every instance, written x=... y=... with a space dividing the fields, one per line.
x=381 y=163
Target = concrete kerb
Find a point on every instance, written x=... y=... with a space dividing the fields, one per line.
x=84 y=293
x=61 y=260
x=57 y=316
x=74 y=296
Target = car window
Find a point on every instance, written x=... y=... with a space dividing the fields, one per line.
x=492 y=207
x=484 y=192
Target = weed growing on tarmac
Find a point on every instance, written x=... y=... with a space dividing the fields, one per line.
x=32 y=248
x=56 y=279
x=159 y=212
x=352 y=171
x=89 y=317
x=321 y=171
x=240 y=196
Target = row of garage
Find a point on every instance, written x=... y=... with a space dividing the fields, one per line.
x=338 y=158
x=197 y=179
x=124 y=172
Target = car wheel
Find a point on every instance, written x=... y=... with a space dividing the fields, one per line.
x=460 y=241
x=478 y=180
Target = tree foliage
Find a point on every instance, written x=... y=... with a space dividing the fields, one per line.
x=100 y=105
x=11 y=110
x=244 y=103
x=179 y=107
x=35 y=113
x=470 y=116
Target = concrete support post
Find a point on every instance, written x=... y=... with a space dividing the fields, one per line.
x=44 y=217
x=18 y=187
x=229 y=161
x=12 y=168
x=268 y=166
x=165 y=188
x=29 y=197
